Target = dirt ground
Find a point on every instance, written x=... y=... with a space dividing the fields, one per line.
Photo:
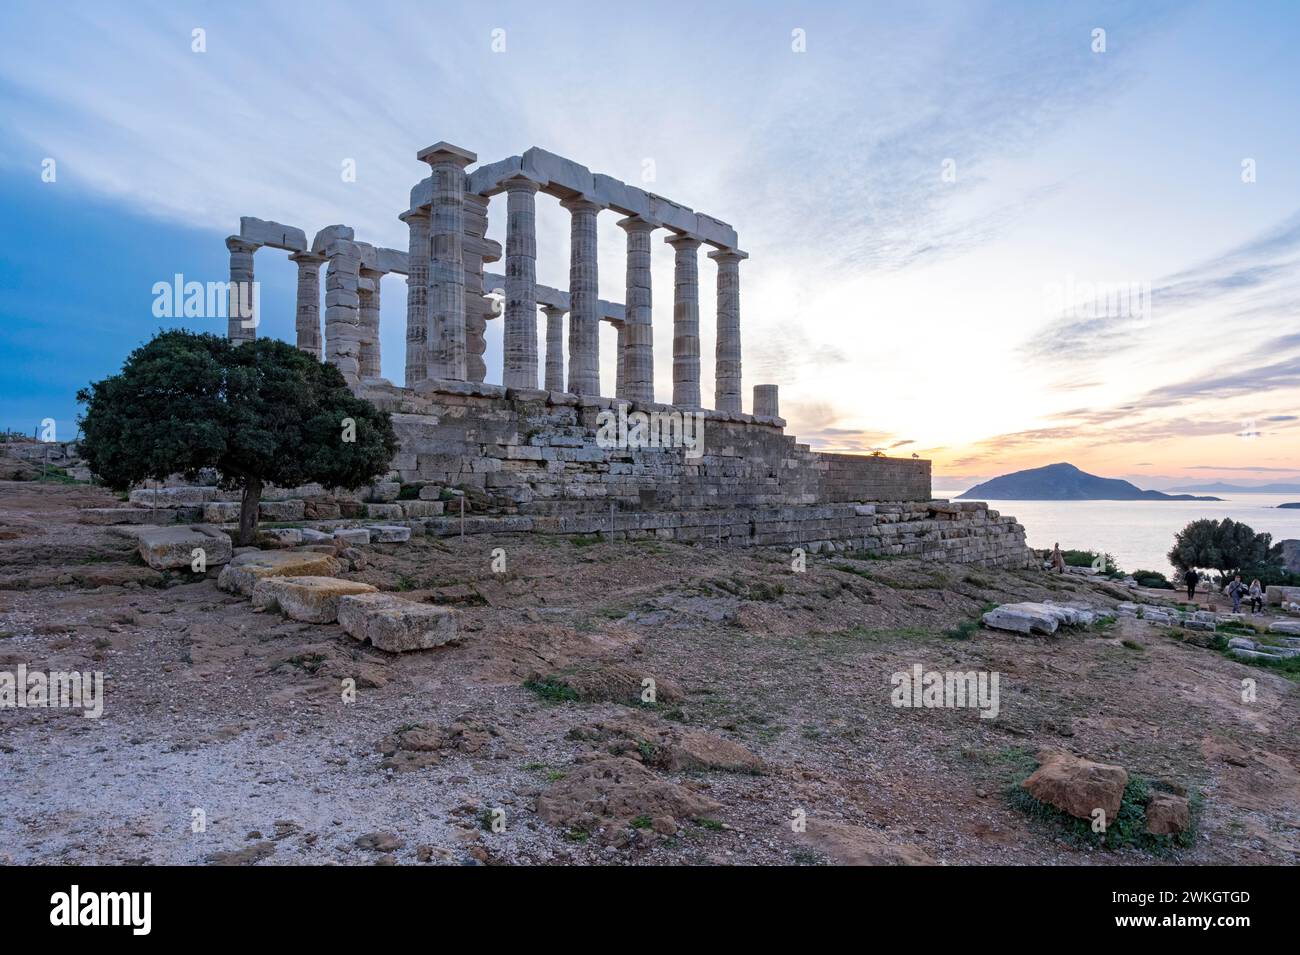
x=773 y=703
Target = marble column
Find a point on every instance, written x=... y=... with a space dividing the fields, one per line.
x=584 y=300
x=368 y=318
x=620 y=360
x=554 y=347
x=241 y=299
x=342 y=326
x=686 y=321
x=476 y=253
x=519 y=337
x=446 y=349
x=766 y=404
x=726 y=375
x=417 y=293
x=636 y=335
x=307 y=315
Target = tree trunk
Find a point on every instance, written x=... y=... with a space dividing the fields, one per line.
x=248 y=512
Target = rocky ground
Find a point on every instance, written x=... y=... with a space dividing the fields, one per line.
x=526 y=741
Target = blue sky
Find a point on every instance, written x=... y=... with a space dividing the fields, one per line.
x=894 y=305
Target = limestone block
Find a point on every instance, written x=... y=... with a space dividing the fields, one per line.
x=384 y=492
x=413 y=509
x=1289 y=627
x=391 y=260
x=619 y=196
x=281 y=510
x=273 y=234
x=389 y=533
x=1022 y=618
x=172 y=496
x=309 y=599
x=352 y=535
x=396 y=625
x=221 y=512
x=331 y=234
x=384 y=512
x=563 y=176
x=282 y=536
x=126 y=515
x=716 y=232
x=243 y=572
x=430 y=492
x=673 y=215
x=166 y=548
x=312 y=536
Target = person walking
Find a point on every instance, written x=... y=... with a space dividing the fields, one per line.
x=1191 y=579
x=1058 y=559
x=1235 y=590
x=1256 y=597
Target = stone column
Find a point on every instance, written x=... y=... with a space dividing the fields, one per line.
x=726 y=375
x=342 y=327
x=446 y=351
x=307 y=315
x=636 y=336
x=584 y=299
x=554 y=347
x=686 y=321
x=417 y=293
x=241 y=299
x=476 y=223
x=620 y=361
x=519 y=337
x=368 y=318
x=766 y=404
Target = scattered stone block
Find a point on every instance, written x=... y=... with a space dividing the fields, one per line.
x=309 y=599
x=430 y=492
x=1022 y=618
x=389 y=533
x=241 y=575
x=1289 y=627
x=312 y=536
x=221 y=512
x=384 y=512
x=322 y=511
x=167 y=548
x=282 y=510
x=352 y=535
x=282 y=536
x=396 y=625
x=1167 y=814
x=1077 y=786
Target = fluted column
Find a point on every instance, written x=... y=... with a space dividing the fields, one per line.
x=446 y=352
x=554 y=347
x=519 y=337
x=620 y=361
x=241 y=299
x=475 y=305
x=417 y=293
x=766 y=402
x=307 y=314
x=686 y=321
x=368 y=318
x=636 y=336
x=584 y=301
x=726 y=375
x=343 y=332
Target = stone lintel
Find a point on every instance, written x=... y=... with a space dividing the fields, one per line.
x=331 y=234
x=276 y=235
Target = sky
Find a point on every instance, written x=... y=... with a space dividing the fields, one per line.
x=995 y=235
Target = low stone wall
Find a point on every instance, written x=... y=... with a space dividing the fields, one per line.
x=536 y=452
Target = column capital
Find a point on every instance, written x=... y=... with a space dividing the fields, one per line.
x=416 y=213
x=520 y=183
x=236 y=244
x=309 y=258
x=683 y=242
x=728 y=256
x=442 y=152
x=580 y=204
x=637 y=224
x=554 y=311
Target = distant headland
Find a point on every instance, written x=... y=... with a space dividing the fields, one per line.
x=1065 y=482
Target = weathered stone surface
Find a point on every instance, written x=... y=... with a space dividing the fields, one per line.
x=352 y=535
x=1167 y=814
x=607 y=794
x=844 y=844
x=172 y=496
x=1289 y=627
x=221 y=512
x=273 y=234
x=243 y=572
x=166 y=548
x=309 y=599
x=1077 y=786
x=126 y=515
x=394 y=624
x=281 y=510
x=389 y=533
x=1022 y=618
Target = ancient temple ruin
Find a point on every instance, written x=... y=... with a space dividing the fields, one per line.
x=537 y=448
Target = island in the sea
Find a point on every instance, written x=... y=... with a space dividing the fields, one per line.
x=1065 y=482
x=1294 y=504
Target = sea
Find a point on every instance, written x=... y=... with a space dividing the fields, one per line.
x=1139 y=534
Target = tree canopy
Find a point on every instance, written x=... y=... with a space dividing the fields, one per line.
x=1227 y=546
x=260 y=412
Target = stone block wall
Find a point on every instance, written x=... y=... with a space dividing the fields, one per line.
x=853 y=477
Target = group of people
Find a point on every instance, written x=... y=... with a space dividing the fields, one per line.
x=1236 y=591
